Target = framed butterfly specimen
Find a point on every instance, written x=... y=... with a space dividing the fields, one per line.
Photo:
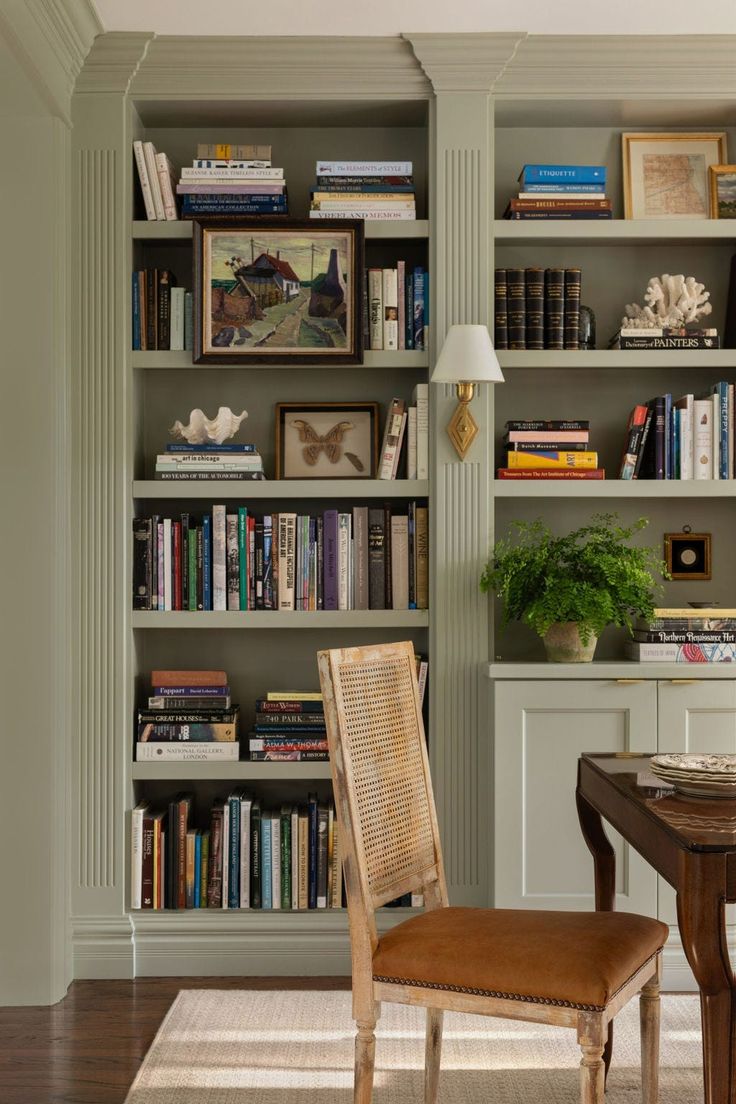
x=326 y=440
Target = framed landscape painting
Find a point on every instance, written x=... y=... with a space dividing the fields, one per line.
x=723 y=191
x=666 y=175
x=279 y=292
x=328 y=440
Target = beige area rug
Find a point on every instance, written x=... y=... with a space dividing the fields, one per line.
x=245 y=1047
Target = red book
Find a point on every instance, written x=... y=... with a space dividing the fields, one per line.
x=551 y=473
x=176 y=593
x=188 y=678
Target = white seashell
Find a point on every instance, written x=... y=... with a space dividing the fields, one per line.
x=202 y=430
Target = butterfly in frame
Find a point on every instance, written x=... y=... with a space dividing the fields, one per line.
x=329 y=443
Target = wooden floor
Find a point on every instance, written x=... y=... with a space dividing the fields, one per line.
x=87 y=1049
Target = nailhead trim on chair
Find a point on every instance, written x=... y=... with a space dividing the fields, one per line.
x=489 y=993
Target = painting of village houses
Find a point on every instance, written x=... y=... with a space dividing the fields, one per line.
x=288 y=292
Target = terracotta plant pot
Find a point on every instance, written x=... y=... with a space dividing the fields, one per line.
x=563 y=644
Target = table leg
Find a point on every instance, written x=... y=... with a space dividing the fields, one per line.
x=701 y=916
x=604 y=865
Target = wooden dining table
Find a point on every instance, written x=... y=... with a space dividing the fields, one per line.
x=691 y=842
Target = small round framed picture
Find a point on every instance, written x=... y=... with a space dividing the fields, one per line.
x=687 y=555
x=722 y=191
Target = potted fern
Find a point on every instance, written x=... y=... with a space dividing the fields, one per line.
x=569 y=588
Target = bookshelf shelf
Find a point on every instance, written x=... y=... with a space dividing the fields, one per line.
x=608 y=669
x=243 y=771
x=372 y=358
x=613 y=231
x=716 y=360
x=282 y=488
x=181 y=230
x=283 y=619
x=622 y=489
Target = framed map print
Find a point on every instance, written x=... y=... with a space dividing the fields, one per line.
x=666 y=175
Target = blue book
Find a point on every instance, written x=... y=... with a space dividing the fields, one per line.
x=418 y=310
x=595 y=190
x=409 y=335
x=197 y=870
x=425 y=300
x=720 y=430
x=313 y=838
x=563 y=174
x=266 y=898
x=136 y=313
x=675 y=438
x=233 y=890
x=223 y=204
x=207 y=562
x=179 y=446
x=243 y=555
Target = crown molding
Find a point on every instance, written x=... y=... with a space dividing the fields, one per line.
x=113 y=62
x=50 y=39
x=465 y=62
x=314 y=67
x=616 y=66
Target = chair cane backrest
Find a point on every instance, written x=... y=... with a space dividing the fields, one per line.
x=383 y=790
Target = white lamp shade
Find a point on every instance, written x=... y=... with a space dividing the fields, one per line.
x=467 y=356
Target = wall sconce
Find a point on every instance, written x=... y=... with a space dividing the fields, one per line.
x=467 y=358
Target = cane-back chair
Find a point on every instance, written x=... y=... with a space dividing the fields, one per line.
x=571 y=969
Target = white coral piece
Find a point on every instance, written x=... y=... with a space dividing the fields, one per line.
x=670 y=301
x=202 y=430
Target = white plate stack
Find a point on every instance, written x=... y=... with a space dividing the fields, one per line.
x=698 y=775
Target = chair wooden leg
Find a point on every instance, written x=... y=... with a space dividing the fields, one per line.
x=365 y=1057
x=649 y=1013
x=432 y=1055
x=592 y=1037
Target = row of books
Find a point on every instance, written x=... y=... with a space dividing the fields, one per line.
x=189 y=717
x=244 y=182
x=250 y=856
x=561 y=192
x=665 y=337
x=686 y=438
x=549 y=450
x=161 y=311
x=227 y=461
x=367 y=558
x=396 y=308
x=405 y=443
x=537 y=308
x=363 y=190
x=156 y=177
x=688 y=635
x=288 y=729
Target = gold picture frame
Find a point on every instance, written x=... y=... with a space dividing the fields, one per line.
x=722 y=207
x=666 y=174
x=688 y=555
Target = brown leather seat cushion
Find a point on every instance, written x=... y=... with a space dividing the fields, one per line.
x=578 y=959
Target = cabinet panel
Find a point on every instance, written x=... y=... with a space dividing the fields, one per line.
x=541 y=729
x=694 y=716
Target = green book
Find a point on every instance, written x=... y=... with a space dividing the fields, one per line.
x=243 y=555
x=204 y=868
x=192 y=553
x=285 y=856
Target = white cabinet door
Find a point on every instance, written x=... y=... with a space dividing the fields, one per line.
x=541 y=728
x=694 y=715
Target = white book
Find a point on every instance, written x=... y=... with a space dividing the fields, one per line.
x=232 y=581
x=167 y=183
x=411 y=443
x=140 y=160
x=245 y=807
x=219 y=558
x=366 y=204
x=276 y=861
x=686 y=441
x=715 y=400
x=225 y=854
x=343 y=561
x=167 y=564
x=176 y=336
x=421 y=401
x=375 y=307
x=400 y=562
x=417 y=900
x=335 y=890
x=401 y=291
x=149 y=151
x=287 y=560
x=422 y=680
x=219 y=163
x=402 y=434
x=364 y=168
x=211 y=459
x=391 y=438
x=366 y=216
x=702 y=439
x=270 y=174
x=390 y=309
x=136 y=855
x=566 y=196
x=150 y=752
x=295 y=858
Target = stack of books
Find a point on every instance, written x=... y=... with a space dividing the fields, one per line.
x=537 y=308
x=665 y=337
x=289 y=726
x=396 y=308
x=364 y=558
x=226 y=179
x=189 y=718
x=405 y=444
x=561 y=192
x=250 y=857
x=225 y=462
x=162 y=312
x=685 y=636
x=686 y=438
x=549 y=450
x=156 y=177
x=363 y=190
